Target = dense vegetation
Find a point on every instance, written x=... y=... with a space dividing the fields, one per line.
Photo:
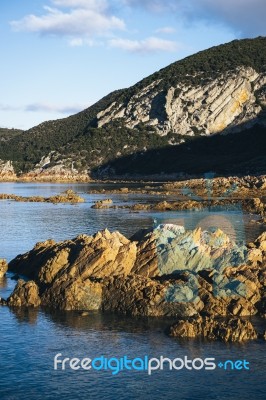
x=77 y=137
x=8 y=134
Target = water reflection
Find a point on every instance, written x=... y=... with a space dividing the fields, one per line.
x=107 y=322
x=3 y=282
x=27 y=315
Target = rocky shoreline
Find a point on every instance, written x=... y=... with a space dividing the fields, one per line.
x=196 y=276
x=168 y=183
x=203 y=187
x=255 y=206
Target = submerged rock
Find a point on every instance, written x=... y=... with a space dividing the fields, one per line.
x=102 y=203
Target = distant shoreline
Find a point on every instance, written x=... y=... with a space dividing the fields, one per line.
x=156 y=178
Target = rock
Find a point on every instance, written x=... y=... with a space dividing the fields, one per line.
x=7 y=172
x=180 y=206
x=69 y=196
x=260 y=243
x=64 y=270
x=84 y=314
x=104 y=254
x=3 y=267
x=230 y=330
x=25 y=294
x=208 y=107
x=136 y=295
x=54 y=167
x=73 y=294
x=254 y=205
x=262 y=305
x=169 y=249
x=166 y=271
x=102 y=203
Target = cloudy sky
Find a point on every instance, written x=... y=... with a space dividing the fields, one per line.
x=60 y=56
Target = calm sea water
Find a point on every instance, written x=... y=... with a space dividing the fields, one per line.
x=31 y=338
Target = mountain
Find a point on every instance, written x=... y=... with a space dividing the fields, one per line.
x=214 y=98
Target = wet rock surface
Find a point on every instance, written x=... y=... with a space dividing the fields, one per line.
x=102 y=203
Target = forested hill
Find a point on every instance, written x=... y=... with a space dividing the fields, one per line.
x=219 y=90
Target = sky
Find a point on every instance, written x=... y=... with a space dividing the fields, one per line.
x=58 y=57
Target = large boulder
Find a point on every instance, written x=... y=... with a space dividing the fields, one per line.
x=66 y=272
x=73 y=294
x=170 y=248
x=104 y=254
x=138 y=295
x=25 y=294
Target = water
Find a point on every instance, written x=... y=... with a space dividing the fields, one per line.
x=31 y=338
x=24 y=224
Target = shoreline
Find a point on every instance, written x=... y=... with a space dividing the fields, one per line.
x=154 y=179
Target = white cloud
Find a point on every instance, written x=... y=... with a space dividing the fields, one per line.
x=91 y=4
x=53 y=108
x=7 y=107
x=153 y=5
x=79 y=42
x=46 y=107
x=151 y=44
x=166 y=29
x=76 y=42
x=245 y=16
x=84 y=18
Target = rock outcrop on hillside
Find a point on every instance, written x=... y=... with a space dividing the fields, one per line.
x=215 y=106
x=7 y=172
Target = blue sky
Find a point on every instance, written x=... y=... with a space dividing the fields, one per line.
x=60 y=56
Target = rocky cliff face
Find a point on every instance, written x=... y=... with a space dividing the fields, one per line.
x=7 y=172
x=234 y=98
